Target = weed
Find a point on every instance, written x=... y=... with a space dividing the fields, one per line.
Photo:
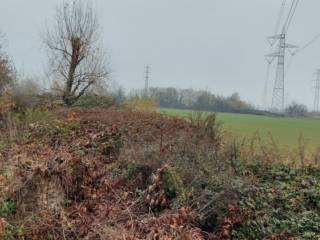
x=13 y=233
x=78 y=150
x=302 y=146
x=174 y=187
x=35 y=218
x=131 y=171
x=8 y=208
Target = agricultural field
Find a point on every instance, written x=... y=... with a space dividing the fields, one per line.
x=284 y=131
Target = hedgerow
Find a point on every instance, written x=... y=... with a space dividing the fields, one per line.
x=92 y=174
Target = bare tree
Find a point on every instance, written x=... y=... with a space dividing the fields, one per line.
x=76 y=59
x=296 y=110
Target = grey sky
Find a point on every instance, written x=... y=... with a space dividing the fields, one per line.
x=214 y=44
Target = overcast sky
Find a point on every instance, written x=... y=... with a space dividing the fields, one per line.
x=217 y=45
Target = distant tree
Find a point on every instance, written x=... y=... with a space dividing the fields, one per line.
x=7 y=70
x=296 y=110
x=170 y=97
x=187 y=97
x=197 y=100
x=76 y=59
x=235 y=97
x=204 y=101
x=235 y=103
x=116 y=91
x=166 y=97
x=119 y=95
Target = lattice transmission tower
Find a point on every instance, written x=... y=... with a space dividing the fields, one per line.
x=317 y=92
x=147 y=79
x=278 y=96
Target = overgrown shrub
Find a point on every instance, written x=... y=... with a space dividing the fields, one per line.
x=16 y=119
x=25 y=94
x=138 y=104
x=91 y=100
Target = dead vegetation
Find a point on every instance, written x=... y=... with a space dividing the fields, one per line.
x=92 y=174
x=115 y=175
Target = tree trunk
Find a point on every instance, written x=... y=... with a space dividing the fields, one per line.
x=67 y=95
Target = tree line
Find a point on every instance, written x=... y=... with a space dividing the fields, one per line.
x=201 y=100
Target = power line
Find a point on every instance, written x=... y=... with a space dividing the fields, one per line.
x=289 y=15
x=295 y=3
x=309 y=43
x=283 y=5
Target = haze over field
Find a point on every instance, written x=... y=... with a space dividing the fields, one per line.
x=218 y=45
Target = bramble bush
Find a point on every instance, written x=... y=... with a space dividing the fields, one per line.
x=152 y=176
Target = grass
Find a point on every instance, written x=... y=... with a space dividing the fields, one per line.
x=284 y=131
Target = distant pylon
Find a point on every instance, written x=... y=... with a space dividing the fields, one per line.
x=147 y=78
x=278 y=97
x=317 y=92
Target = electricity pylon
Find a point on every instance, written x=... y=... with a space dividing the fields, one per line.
x=317 y=92
x=147 y=78
x=278 y=98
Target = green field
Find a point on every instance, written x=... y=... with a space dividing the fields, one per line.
x=285 y=131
